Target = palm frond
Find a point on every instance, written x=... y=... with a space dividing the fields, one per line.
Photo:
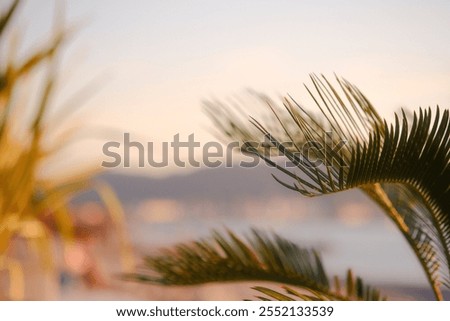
x=350 y=146
x=6 y=17
x=261 y=258
x=355 y=289
x=33 y=207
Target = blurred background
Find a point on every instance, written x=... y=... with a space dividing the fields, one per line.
x=144 y=68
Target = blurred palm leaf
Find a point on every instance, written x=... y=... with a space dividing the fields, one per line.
x=5 y=18
x=32 y=208
x=25 y=199
x=404 y=167
x=261 y=258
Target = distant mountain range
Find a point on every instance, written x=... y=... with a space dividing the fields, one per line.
x=217 y=185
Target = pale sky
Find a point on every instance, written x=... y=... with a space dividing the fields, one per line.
x=161 y=58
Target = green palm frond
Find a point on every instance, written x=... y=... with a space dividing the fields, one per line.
x=394 y=162
x=228 y=258
x=404 y=166
x=354 y=289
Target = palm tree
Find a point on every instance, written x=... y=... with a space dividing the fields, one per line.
x=29 y=205
x=403 y=167
x=33 y=208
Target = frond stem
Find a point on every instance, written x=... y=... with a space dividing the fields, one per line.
x=376 y=192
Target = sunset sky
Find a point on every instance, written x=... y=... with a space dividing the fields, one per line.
x=157 y=60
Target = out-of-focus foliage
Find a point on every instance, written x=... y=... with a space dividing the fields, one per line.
x=33 y=208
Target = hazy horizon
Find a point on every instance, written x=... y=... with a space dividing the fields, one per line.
x=156 y=60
